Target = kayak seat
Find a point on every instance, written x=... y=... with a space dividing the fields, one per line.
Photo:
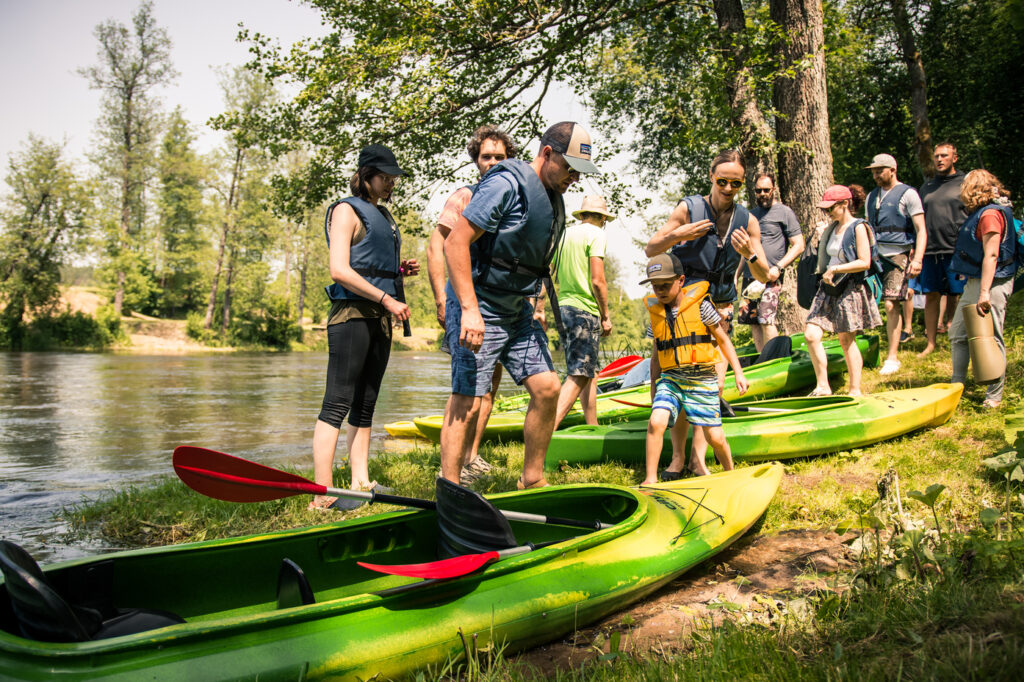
x=469 y=524
x=292 y=586
x=779 y=347
x=43 y=614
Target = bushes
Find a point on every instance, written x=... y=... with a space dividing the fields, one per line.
x=69 y=330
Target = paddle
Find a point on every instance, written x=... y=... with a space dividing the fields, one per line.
x=620 y=366
x=233 y=479
x=735 y=408
x=455 y=566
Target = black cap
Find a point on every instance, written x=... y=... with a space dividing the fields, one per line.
x=380 y=157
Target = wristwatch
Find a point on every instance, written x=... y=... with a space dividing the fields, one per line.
x=753 y=258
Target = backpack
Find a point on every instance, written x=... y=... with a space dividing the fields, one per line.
x=1018 y=227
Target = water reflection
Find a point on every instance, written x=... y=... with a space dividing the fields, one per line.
x=74 y=425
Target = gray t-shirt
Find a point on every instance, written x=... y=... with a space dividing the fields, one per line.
x=778 y=225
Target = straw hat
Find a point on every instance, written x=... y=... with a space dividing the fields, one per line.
x=593 y=204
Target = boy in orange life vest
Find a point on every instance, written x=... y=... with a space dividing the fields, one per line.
x=684 y=326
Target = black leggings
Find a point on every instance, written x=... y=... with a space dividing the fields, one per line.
x=358 y=352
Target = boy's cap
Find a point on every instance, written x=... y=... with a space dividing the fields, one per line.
x=663 y=267
x=572 y=141
x=882 y=161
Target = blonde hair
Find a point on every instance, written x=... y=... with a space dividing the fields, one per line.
x=980 y=189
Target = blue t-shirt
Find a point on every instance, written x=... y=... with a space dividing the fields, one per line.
x=497 y=204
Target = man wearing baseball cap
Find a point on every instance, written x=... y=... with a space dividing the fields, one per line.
x=896 y=215
x=583 y=297
x=496 y=260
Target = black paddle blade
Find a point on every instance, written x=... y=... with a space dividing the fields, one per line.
x=726 y=408
x=469 y=524
x=233 y=479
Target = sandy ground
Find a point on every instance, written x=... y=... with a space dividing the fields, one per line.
x=749 y=580
x=150 y=335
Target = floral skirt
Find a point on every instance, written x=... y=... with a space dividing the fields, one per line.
x=854 y=311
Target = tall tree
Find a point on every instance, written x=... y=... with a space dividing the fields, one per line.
x=181 y=218
x=918 y=85
x=247 y=96
x=43 y=217
x=133 y=62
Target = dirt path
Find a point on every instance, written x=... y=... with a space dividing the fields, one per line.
x=747 y=578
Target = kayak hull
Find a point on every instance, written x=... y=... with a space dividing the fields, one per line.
x=366 y=624
x=811 y=426
x=766 y=379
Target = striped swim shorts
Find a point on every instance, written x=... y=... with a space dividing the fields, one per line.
x=695 y=393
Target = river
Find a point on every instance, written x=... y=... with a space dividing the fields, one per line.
x=74 y=425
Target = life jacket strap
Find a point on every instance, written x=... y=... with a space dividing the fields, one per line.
x=376 y=272
x=692 y=339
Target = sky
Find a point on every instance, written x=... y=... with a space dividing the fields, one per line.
x=44 y=42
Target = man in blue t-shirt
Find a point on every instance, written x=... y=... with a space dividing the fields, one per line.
x=496 y=261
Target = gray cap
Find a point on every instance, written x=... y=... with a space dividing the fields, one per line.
x=883 y=161
x=664 y=266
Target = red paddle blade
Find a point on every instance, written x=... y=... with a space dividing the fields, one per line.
x=234 y=479
x=446 y=568
x=620 y=366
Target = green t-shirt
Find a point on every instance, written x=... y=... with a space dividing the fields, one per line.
x=582 y=242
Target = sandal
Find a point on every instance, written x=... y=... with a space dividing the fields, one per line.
x=818 y=393
x=318 y=505
x=539 y=483
x=992 y=404
x=350 y=503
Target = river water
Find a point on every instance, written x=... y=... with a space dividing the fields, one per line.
x=73 y=425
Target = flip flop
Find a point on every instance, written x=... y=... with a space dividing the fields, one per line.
x=818 y=394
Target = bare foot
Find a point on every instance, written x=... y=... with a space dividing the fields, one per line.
x=855 y=393
x=648 y=481
x=927 y=351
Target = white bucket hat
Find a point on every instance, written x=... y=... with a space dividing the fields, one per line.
x=593 y=204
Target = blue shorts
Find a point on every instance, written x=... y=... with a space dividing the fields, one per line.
x=936 y=277
x=582 y=341
x=696 y=395
x=521 y=347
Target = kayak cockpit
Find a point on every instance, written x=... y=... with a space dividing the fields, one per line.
x=239 y=582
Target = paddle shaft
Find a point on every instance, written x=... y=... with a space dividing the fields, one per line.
x=418 y=503
x=298 y=486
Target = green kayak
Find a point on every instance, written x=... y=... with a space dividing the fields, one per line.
x=358 y=624
x=787 y=428
x=766 y=379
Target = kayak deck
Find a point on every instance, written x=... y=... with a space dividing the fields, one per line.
x=808 y=426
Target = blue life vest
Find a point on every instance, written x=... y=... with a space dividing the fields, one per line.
x=377 y=257
x=703 y=260
x=848 y=250
x=515 y=258
x=970 y=252
x=890 y=226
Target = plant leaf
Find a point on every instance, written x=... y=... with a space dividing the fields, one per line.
x=929 y=496
x=989 y=516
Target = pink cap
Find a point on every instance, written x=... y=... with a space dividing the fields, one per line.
x=833 y=194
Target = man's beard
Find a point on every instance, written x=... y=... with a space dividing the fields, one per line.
x=764 y=202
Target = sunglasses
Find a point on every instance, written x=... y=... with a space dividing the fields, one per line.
x=722 y=182
x=761 y=190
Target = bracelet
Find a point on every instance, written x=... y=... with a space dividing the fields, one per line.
x=381 y=301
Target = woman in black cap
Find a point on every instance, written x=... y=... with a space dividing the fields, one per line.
x=366 y=266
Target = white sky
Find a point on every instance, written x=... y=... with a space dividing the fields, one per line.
x=44 y=42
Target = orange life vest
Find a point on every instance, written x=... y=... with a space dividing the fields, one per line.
x=684 y=340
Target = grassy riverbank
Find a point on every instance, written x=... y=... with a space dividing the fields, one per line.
x=910 y=601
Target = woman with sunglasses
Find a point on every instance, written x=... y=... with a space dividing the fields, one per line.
x=844 y=303
x=711 y=235
x=366 y=265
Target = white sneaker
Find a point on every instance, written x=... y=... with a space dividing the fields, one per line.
x=889 y=367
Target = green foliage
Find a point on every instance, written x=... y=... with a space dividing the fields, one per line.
x=271 y=325
x=42 y=221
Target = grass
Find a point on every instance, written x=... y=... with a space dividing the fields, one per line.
x=958 y=617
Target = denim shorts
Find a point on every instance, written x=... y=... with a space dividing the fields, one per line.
x=582 y=341
x=521 y=346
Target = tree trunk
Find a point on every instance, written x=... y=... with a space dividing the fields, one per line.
x=757 y=139
x=226 y=319
x=805 y=160
x=918 y=87
x=225 y=234
x=302 y=286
